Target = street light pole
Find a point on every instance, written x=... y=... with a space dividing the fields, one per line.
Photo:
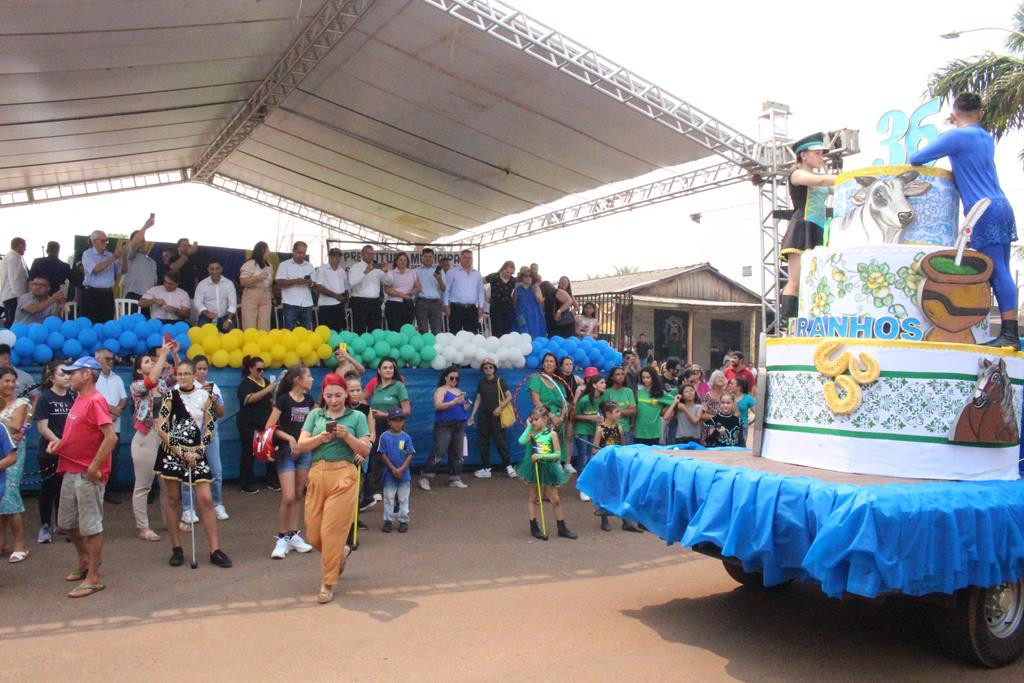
x=956 y=34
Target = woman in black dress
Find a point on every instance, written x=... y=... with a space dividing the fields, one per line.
x=255 y=401
x=808 y=191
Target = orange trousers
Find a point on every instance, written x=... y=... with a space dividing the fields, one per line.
x=330 y=508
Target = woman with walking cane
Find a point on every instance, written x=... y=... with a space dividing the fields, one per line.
x=339 y=438
x=185 y=426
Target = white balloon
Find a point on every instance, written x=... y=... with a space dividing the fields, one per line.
x=501 y=356
x=444 y=338
x=439 y=363
x=493 y=343
x=475 y=364
x=463 y=335
x=8 y=337
x=519 y=362
x=459 y=358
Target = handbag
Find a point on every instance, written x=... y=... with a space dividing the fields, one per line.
x=508 y=414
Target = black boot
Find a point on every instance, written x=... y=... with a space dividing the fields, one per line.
x=535 y=530
x=789 y=306
x=563 y=531
x=605 y=524
x=630 y=526
x=1008 y=336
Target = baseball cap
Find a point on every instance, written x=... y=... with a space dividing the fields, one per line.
x=83 y=362
x=396 y=413
x=589 y=372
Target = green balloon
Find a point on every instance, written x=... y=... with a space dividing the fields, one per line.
x=348 y=336
x=416 y=342
x=331 y=361
x=408 y=329
x=407 y=353
x=357 y=346
x=424 y=363
x=368 y=356
x=393 y=338
x=413 y=360
x=427 y=354
x=367 y=338
x=428 y=339
x=382 y=348
x=378 y=335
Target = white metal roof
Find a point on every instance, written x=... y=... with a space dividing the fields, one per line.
x=415 y=124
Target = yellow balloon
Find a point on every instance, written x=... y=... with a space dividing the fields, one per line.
x=195 y=334
x=252 y=335
x=323 y=352
x=235 y=359
x=323 y=332
x=277 y=352
x=208 y=329
x=265 y=342
x=289 y=341
x=229 y=343
x=304 y=349
x=310 y=360
x=291 y=358
x=251 y=349
x=220 y=358
x=276 y=335
x=195 y=350
x=212 y=343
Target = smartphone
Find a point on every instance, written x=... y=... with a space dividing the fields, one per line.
x=343 y=346
x=332 y=426
x=168 y=338
x=208 y=386
x=437 y=270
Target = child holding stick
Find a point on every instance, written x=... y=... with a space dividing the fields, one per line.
x=542 y=470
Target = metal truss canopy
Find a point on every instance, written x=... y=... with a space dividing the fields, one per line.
x=51 y=193
x=325 y=30
x=691 y=182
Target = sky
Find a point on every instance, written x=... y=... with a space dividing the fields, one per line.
x=835 y=65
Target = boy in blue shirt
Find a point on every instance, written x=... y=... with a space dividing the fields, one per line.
x=971 y=152
x=396 y=451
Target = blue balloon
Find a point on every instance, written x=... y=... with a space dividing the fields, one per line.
x=154 y=325
x=128 y=340
x=19 y=329
x=141 y=329
x=579 y=358
x=111 y=329
x=137 y=318
x=180 y=327
x=24 y=346
x=533 y=361
x=69 y=328
x=84 y=321
x=155 y=340
x=557 y=339
x=15 y=358
x=42 y=354
x=183 y=342
x=52 y=323
x=540 y=345
x=37 y=333
x=72 y=349
x=87 y=336
x=55 y=340
x=141 y=347
x=111 y=345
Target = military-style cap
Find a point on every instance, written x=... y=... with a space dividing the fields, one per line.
x=814 y=141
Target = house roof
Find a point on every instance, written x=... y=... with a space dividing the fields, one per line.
x=630 y=282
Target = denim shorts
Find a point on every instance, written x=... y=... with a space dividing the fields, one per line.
x=286 y=463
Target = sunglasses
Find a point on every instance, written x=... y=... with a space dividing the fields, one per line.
x=258 y=369
x=451 y=377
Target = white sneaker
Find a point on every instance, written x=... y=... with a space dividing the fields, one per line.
x=457 y=484
x=280 y=549
x=483 y=473
x=584 y=497
x=44 y=534
x=378 y=497
x=424 y=483
x=222 y=513
x=511 y=472
x=569 y=469
x=189 y=517
x=299 y=545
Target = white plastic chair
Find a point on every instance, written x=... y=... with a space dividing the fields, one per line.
x=71 y=310
x=125 y=307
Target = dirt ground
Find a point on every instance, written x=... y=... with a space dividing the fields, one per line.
x=465 y=595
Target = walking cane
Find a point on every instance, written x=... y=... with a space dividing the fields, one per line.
x=192 y=517
x=355 y=521
x=540 y=499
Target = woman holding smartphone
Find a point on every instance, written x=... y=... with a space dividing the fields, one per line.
x=338 y=437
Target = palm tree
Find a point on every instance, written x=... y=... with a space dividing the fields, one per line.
x=997 y=78
x=625 y=270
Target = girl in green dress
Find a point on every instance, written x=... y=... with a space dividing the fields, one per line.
x=652 y=402
x=542 y=445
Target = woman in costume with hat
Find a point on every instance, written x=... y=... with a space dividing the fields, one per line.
x=808 y=191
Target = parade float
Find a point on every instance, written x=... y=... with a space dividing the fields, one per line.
x=887 y=455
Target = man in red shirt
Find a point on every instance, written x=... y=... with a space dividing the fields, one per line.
x=84 y=459
x=739 y=369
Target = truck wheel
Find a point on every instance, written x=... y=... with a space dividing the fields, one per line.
x=986 y=626
x=748 y=579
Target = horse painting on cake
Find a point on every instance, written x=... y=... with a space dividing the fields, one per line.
x=989 y=416
x=881 y=213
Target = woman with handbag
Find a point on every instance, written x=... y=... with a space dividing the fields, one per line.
x=558 y=305
x=494 y=401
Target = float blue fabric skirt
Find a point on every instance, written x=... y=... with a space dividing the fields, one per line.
x=919 y=538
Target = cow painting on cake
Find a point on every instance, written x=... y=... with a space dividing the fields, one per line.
x=988 y=417
x=881 y=214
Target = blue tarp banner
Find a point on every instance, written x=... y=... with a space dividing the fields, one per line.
x=931 y=537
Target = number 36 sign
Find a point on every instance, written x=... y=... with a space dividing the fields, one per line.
x=906 y=134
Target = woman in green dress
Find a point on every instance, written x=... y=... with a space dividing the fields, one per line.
x=652 y=401
x=548 y=390
x=543 y=464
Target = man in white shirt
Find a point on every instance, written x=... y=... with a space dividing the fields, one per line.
x=138 y=268
x=432 y=287
x=15 y=279
x=365 y=279
x=167 y=301
x=295 y=278
x=332 y=284
x=216 y=299
x=464 y=296
x=111 y=387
